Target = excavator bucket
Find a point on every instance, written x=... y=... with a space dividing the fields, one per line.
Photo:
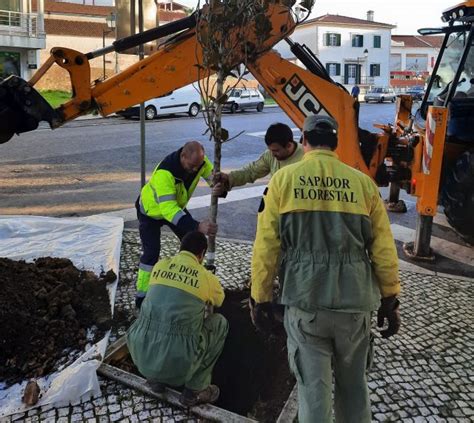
x=22 y=108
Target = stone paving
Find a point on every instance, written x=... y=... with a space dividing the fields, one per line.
x=424 y=375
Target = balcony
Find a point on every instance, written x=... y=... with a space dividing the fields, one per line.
x=19 y=24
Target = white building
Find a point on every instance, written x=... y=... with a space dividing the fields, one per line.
x=22 y=37
x=354 y=51
x=412 y=58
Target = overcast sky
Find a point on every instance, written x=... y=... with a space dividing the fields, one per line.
x=408 y=15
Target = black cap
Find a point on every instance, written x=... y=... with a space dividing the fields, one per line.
x=320 y=123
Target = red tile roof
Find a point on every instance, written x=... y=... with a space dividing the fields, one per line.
x=51 y=6
x=417 y=41
x=76 y=28
x=346 y=20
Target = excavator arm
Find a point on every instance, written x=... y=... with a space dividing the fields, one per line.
x=178 y=62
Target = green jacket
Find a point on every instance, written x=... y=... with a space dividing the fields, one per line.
x=169 y=190
x=264 y=165
x=327 y=224
x=165 y=339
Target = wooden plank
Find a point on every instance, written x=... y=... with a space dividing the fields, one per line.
x=290 y=410
x=116 y=351
x=206 y=411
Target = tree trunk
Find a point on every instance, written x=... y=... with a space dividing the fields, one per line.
x=211 y=252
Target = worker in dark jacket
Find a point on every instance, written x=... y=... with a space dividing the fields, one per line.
x=324 y=225
x=163 y=201
x=177 y=339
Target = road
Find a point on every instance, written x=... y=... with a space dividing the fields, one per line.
x=93 y=166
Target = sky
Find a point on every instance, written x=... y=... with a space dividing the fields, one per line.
x=408 y=15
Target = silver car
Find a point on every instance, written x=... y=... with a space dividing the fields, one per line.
x=380 y=94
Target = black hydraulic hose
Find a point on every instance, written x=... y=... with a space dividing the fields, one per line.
x=146 y=36
x=308 y=58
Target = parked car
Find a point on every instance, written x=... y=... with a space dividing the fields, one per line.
x=183 y=100
x=416 y=92
x=244 y=98
x=380 y=94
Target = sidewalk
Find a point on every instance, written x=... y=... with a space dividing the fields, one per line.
x=424 y=374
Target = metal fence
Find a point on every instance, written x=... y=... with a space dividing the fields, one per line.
x=20 y=24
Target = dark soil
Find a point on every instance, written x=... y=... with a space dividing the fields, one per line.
x=46 y=309
x=252 y=372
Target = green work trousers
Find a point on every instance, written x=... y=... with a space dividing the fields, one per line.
x=168 y=355
x=213 y=337
x=323 y=343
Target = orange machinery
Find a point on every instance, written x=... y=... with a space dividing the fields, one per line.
x=410 y=154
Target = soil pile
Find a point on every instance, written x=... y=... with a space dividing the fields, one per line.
x=46 y=309
x=252 y=372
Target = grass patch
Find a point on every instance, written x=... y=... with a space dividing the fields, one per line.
x=55 y=97
x=269 y=101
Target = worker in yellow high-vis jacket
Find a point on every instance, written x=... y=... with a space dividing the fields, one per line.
x=324 y=226
x=163 y=201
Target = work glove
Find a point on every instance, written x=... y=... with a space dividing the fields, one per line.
x=389 y=310
x=221 y=186
x=138 y=302
x=265 y=316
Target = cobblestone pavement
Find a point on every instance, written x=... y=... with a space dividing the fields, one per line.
x=424 y=375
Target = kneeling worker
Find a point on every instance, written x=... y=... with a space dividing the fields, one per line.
x=172 y=343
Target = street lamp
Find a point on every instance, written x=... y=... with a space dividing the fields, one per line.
x=111 y=24
x=364 y=59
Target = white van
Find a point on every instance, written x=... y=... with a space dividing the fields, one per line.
x=244 y=98
x=183 y=100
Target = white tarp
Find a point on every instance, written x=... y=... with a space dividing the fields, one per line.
x=91 y=243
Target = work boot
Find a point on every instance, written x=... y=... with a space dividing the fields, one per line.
x=156 y=386
x=189 y=397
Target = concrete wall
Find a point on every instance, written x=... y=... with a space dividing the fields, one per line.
x=58 y=79
x=429 y=52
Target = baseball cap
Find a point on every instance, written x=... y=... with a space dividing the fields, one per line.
x=320 y=123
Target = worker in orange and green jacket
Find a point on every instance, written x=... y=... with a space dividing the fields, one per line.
x=323 y=227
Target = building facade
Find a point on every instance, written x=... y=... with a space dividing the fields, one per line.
x=84 y=28
x=354 y=51
x=22 y=36
x=412 y=58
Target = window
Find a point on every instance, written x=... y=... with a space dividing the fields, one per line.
x=334 y=69
x=357 y=40
x=245 y=94
x=332 y=39
x=255 y=93
x=375 y=69
x=377 y=41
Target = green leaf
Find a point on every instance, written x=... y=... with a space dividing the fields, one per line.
x=307 y=4
x=224 y=134
x=222 y=99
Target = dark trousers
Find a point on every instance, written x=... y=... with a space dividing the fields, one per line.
x=150 y=236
